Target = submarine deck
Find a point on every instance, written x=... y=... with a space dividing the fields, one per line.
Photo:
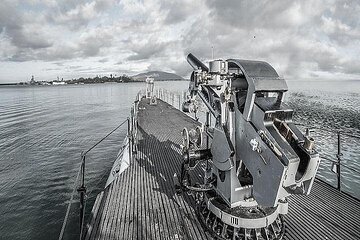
x=142 y=204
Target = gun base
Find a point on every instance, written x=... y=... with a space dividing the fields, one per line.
x=240 y=222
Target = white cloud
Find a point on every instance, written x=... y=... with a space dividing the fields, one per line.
x=301 y=39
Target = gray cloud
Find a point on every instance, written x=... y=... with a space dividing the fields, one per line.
x=38 y=36
x=72 y=14
x=179 y=11
x=75 y=14
x=147 y=49
x=19 y=29
x=291 y=35
x=180 y=67
x=301 y=39
x=28 y=37
x=351 y=67
x=94 y=42
x=249 y=14
x=341 y=23
x=103 y=60
x=102 y=5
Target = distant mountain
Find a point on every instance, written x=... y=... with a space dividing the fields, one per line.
x=158 y=76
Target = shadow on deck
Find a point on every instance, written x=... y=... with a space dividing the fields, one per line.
x=142 y=204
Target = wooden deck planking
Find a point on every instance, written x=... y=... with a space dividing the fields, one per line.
x=142 y=204
x=94 y=213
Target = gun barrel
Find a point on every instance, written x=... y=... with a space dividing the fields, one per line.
x=196 y=63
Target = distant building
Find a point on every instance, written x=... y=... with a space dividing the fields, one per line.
x=32 y=81
x=59 y=83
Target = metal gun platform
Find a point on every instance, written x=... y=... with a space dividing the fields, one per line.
x=142 y=203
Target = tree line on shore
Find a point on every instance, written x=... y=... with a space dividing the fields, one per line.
x=81 y=80
x=103 y=79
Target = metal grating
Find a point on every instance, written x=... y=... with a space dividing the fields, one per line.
x=142 y=204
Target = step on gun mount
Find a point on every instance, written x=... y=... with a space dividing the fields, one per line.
x=257 y=156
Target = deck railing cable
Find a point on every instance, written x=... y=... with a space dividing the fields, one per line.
x=61 y=235
x=329 y=131
x=343 y=165
x=337 y=164
x=82 y=189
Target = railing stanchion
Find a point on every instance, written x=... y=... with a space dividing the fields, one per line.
x=129 y=137
x=82 y=191
x=207 y=125
x=338 y=155
x=79 y=184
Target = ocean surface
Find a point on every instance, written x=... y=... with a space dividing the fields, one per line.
x=43 y=130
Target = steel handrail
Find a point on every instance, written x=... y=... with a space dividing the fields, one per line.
x=82 y=188
x=343 y=165
x=91 y=148
x=329 y=130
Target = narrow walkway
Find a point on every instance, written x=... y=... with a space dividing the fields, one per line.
x=142 y=204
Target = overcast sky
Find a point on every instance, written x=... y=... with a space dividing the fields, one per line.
x=317 y=39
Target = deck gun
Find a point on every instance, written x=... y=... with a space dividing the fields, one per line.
x=257 y=156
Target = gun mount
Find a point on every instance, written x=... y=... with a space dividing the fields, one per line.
x=258 y=157
x=150 y=90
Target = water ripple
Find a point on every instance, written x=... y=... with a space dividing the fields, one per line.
x=44 y=129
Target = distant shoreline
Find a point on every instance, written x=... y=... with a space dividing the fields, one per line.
x=83 y=83
x=157 y=75
x=9 y=84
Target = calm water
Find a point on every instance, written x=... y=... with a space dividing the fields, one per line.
x=44 y=129
x=331 y=106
